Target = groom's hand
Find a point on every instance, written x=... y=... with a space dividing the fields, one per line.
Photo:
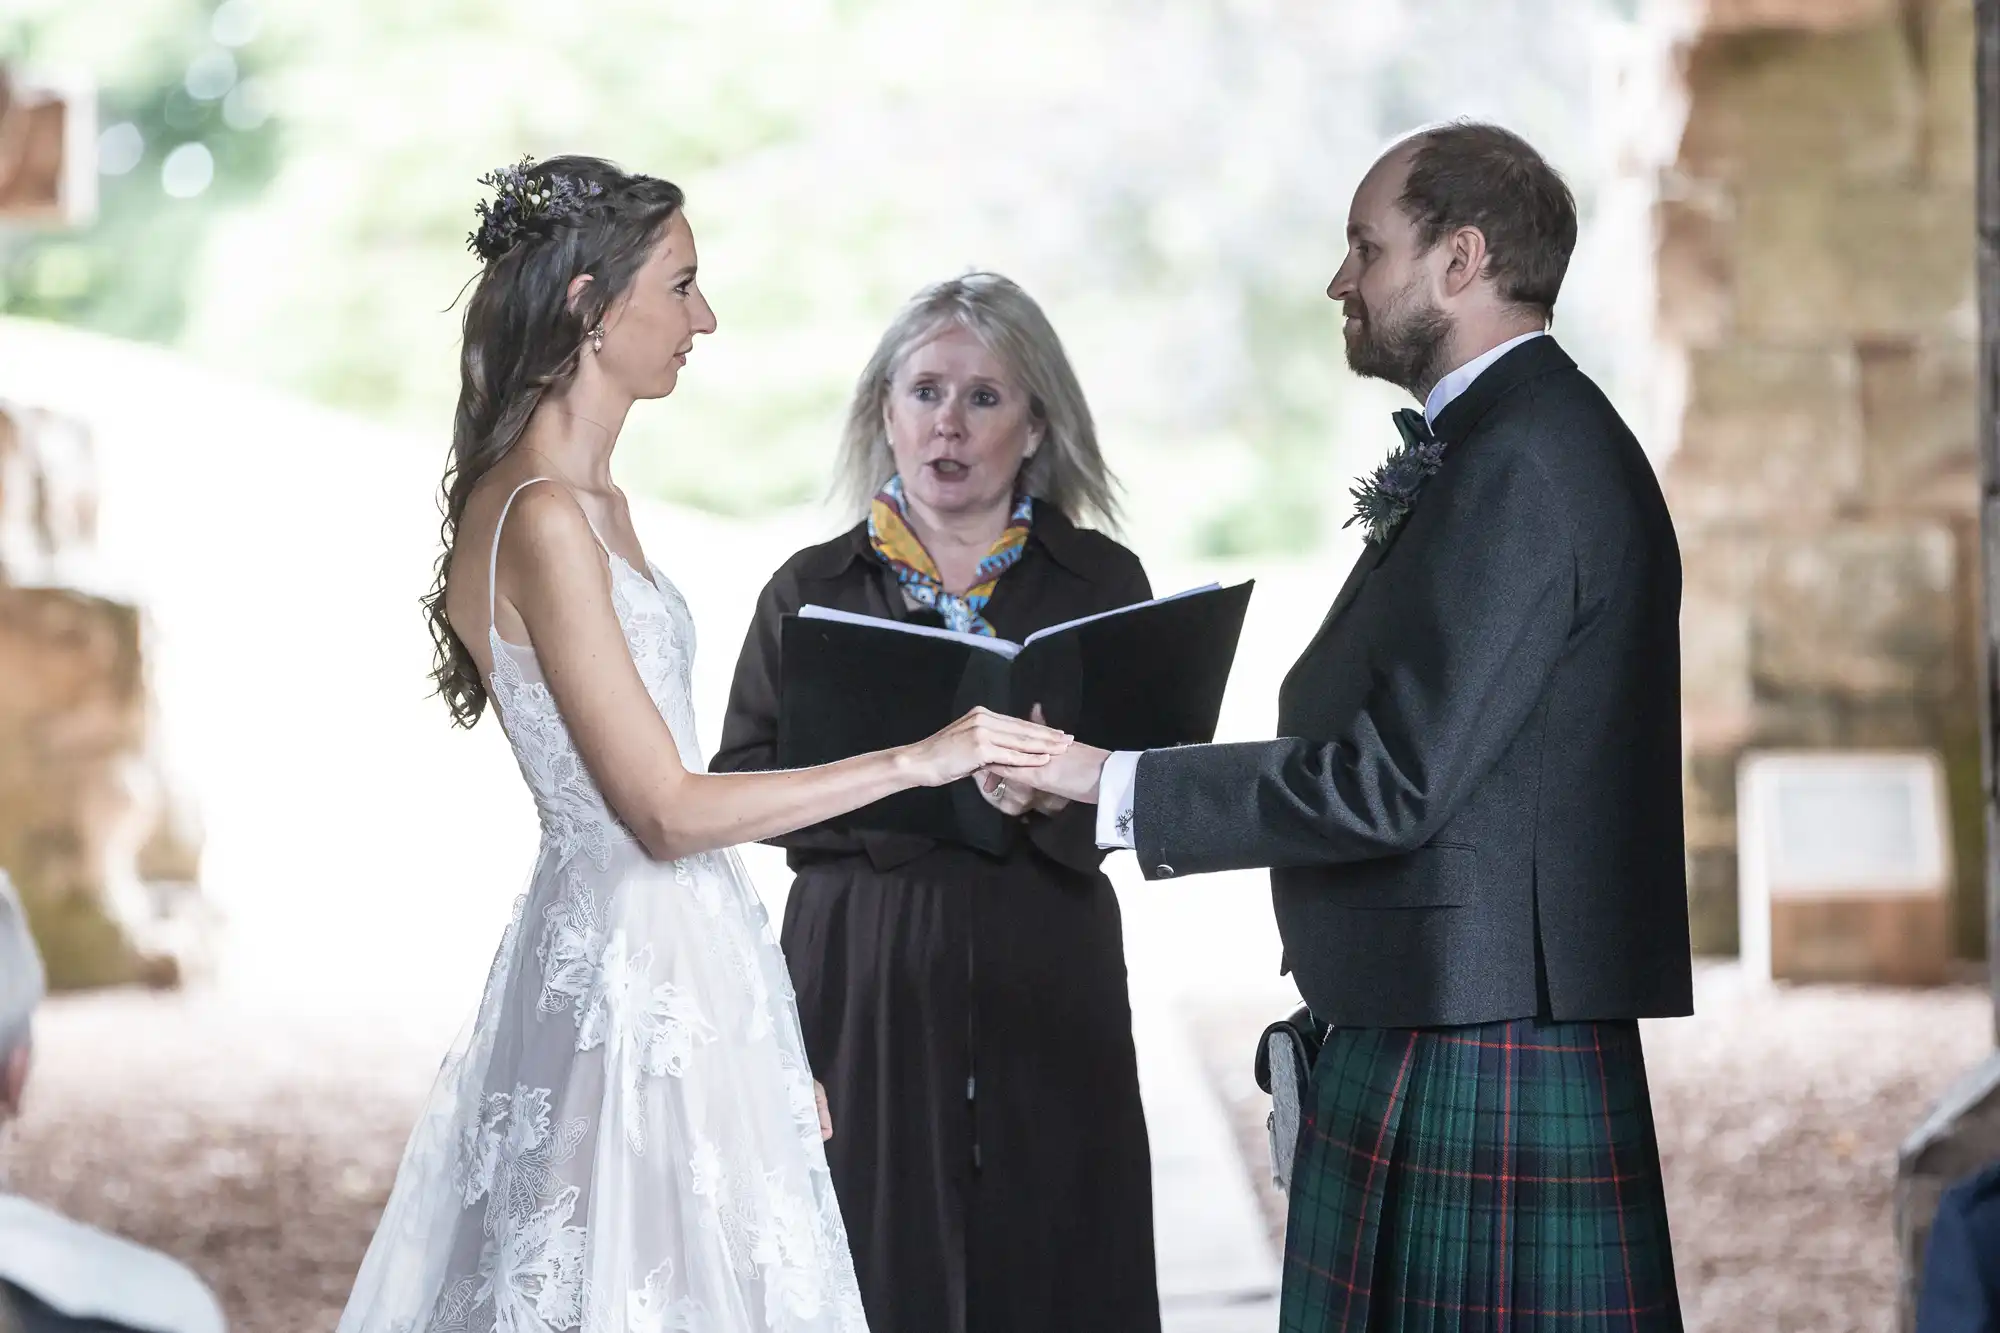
x=1072 y=775
x=1012 y=798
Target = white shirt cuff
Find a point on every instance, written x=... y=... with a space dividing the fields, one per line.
x=1114 y=801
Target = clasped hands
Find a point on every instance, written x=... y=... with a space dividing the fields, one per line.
x=1070 y=776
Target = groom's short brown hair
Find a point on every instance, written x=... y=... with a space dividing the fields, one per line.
x=1470 y=174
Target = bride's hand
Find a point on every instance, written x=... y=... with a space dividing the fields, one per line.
x=825 y=1116
x=982 y=739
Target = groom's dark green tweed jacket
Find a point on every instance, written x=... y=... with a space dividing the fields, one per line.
x=1477 y=812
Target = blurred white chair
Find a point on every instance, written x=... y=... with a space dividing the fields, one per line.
x=58 y=1275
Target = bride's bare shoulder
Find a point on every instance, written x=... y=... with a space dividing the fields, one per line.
x=546 y=541
x=543 y=529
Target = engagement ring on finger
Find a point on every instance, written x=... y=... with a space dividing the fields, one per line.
x=1000 y=790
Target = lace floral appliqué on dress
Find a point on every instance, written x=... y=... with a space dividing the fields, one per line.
x=626 y=1140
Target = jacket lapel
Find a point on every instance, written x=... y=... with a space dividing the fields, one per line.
x=1455 y=423
x=1531 y=360
x=1370 y=554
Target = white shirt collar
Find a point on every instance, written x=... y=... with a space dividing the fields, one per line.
x=90 y=1274
x=1458 y=381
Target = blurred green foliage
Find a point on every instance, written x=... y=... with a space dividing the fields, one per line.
x=1169 y=177
x=186 y=76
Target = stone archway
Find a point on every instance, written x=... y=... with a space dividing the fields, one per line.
x=1816 y=299
x=1962 y=1133
x=1989 y=449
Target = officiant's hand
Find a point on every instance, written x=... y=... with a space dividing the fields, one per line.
x=1015 y=800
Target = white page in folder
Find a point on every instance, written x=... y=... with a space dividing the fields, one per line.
x=1119 y=611
x=1004 y=647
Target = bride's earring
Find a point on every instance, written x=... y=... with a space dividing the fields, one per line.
x=596 y=336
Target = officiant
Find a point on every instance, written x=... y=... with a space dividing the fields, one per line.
x=968 y=1013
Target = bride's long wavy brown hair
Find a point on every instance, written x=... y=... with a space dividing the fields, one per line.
x=523 y=339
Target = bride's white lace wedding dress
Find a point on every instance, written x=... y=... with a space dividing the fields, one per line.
x=626 y=1137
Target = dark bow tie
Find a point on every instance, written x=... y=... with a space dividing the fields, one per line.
x=1410 y=424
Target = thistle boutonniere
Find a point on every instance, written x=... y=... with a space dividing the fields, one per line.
x=1382 y=500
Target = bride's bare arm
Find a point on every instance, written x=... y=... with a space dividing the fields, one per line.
x=554 y=575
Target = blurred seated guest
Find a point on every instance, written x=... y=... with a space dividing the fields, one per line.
x=1961 y=1285
x=57 y=1275
x=968 y=1013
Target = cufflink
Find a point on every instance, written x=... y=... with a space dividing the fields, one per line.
x=1123 y=823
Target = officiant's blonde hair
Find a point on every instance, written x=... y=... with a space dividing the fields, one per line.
x=1067 y=471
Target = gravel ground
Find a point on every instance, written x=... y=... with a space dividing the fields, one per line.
x=259 y=1149
x=1779 y=1115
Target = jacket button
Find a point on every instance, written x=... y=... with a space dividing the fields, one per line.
x=1163 y=871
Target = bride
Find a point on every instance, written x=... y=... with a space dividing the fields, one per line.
x=627 y=1137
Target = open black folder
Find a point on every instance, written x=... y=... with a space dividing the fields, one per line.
x=1139 y=678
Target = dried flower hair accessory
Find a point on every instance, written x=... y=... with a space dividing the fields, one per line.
x=524 y=203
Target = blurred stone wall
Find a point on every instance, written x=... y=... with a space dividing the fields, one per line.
x=1817 y=301
x=103 y=852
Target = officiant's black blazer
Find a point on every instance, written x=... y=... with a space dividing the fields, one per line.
x=1476 y=814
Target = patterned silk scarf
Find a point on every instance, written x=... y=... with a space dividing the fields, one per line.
x=889 y=532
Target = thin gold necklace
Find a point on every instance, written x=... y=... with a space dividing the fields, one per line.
x=560 y=475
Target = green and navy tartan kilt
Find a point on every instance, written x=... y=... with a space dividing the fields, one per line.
x=1503 y=1176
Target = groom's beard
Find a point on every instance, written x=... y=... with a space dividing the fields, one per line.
x=1405 y=344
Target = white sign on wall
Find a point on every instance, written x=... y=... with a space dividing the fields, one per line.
x=1827 y=826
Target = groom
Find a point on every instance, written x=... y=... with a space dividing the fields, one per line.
x=1474 y=817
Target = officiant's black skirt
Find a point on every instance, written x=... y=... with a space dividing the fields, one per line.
x=971 y=1022
x=1503 y=1176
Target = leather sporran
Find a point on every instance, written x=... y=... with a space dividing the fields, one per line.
x=1285 y=1056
